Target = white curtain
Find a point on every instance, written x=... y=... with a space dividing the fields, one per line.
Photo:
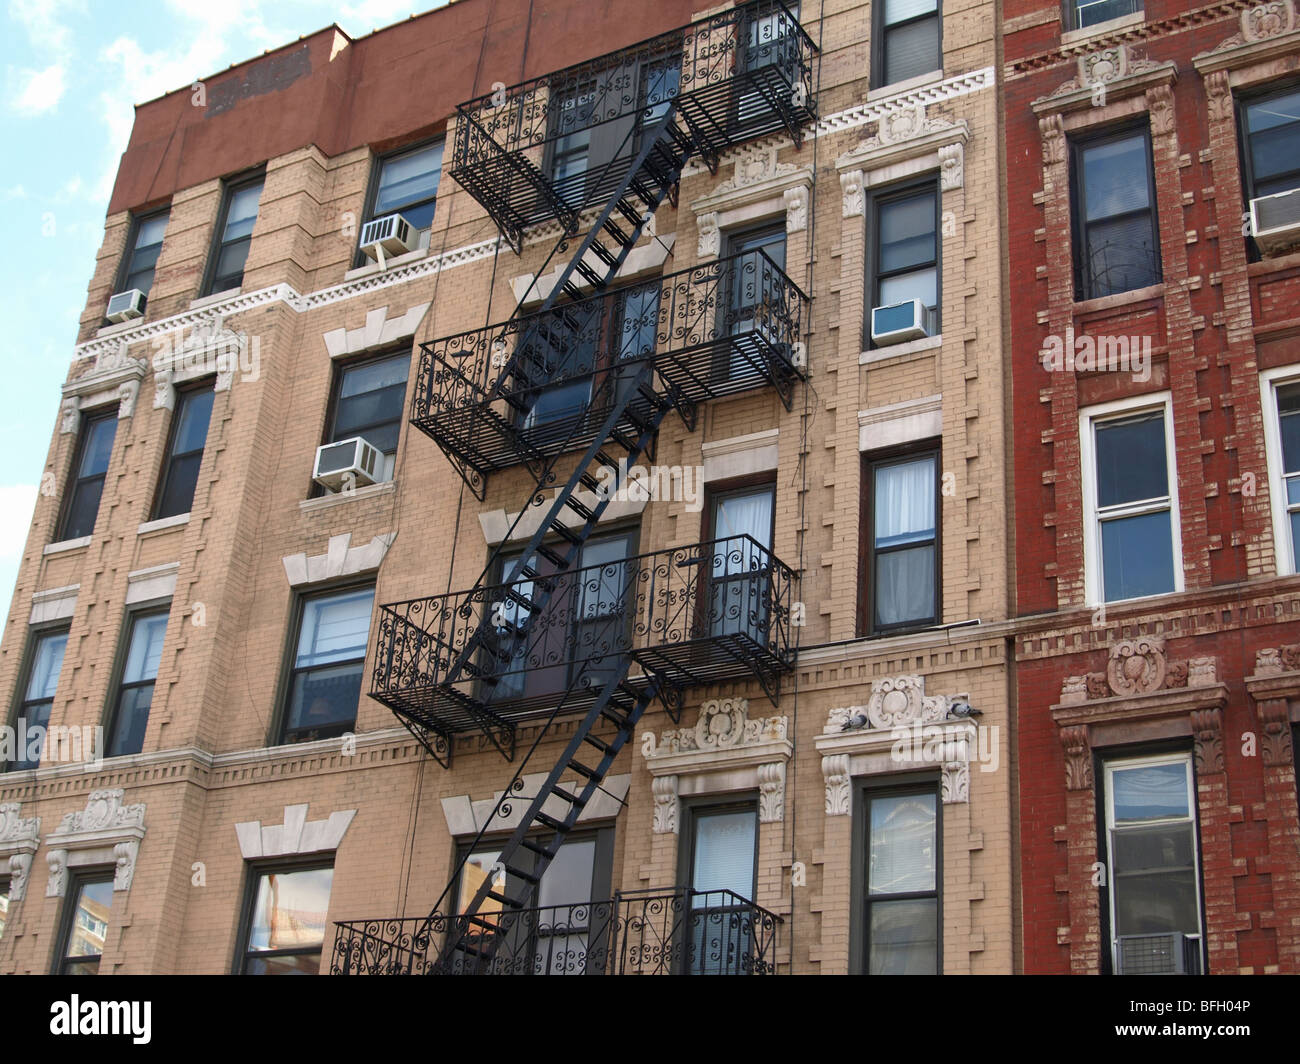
x=742 y=515
x=904 y=502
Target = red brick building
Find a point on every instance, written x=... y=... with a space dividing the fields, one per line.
x=1155 y=347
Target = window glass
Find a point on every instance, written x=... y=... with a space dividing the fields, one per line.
x=724 y=852
x=902 y=869
x=1131 y=460
x=144 y=253
x=96 y=446
x=88 y=928
x=46 y=666
x=181 y=475
x=142 y=659
x=1118 y=238
x=1090 y=12
x=408 y=185
x=325 y=685
x=335 y=628
x=288 y=922
x=370 y=404
x=911 y=39
x=904 y=532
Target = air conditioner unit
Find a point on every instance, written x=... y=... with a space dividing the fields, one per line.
x=350 y=463
x=1275 y=221
x=898 y=322
x=1167 y=954
x=126 y=305
x=390 y=235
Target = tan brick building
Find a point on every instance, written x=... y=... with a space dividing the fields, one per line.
x=823 y=587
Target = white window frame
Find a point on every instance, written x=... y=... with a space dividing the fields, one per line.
x=1109 y=765
x=1092 y=561
x=1284 y=551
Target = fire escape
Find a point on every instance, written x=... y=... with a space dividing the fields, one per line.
x=576 y=391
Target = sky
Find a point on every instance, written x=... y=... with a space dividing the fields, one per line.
x=73 y=70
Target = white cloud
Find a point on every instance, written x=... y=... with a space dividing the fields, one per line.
x=13 y=192
x=41 y=90
x=41 y=20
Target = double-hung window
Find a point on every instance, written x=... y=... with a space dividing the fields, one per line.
x=906 y=255
x=134 y=691
x=723 y=858
x=234 y=234
x=1153 y=865
x=1081 y=14
x=1270 y=154
x=1282 y=435
x=85 y=923
x=368 y=401
x=901 y=531
x=408 y=184
x=40 y=683
x=285 y=919
x=1131 y=534
x=1117 y=247
x=901 y=917
x=144 y=244
x=907 y=40
x=328 y=659
x=89 y=468
x=184 y=452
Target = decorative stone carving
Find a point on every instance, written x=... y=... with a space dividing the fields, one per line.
x=104 y=811
x=754 y=165
x=955 y=784
x=1074 y=689
x=1078 y=758
x=127 y=392
x=1176 y=674
x=771 y=792
x=70 y=411
x=107 y=826
x=723 y=724
x=1273 y=660
x=1201 y=672
x=952 y=159
x=901 y=124
x=164 y=389
x=895 y=702
x=1160 y=103
x=1052 y=131
x=710 y=238
x=1219 y=93
x=835 y=772
x=1098 y=685
x=1106 y=65
x=1275 y=722
x=854 y=194
x=19 y=839
x=796 y=209
x=57 y=884
x=1137 y=666
x=664 y=789
x=1267 y=20
x=124 y=855
x=1207 y=730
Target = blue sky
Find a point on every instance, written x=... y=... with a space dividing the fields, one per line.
x=73 y=69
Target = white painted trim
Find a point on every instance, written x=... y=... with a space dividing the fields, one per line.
x=378 y=331
x=899 y=423
x=1091 y=546
x=892 y=351
x=65 y=545
x=294 y=835
x=738 y=456
x=337 y=498
x=1284 y=551
x=54 y=604
x=340 y=559
x=216 y=297
x=156 y=582
x=163 y=523
x=911 y=84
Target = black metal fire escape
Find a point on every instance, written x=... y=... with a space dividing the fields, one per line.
x=442 y=665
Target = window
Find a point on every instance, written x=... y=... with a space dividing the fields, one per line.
x=723 y=875
x=143 y=246
x=751 y=286
x=1270 y=151
x=135 y=688
x=234 y=234
x=408 y=184
x=901 y=917
x=33 y=716
x=1282 y=435
x=581 y=631
x=907 y=38
x=906 y=254
x=89 y=467
x=85 y=923
x=1131 y=535
x=4 y=905
x=285 y=917
x=369 y=400
x=1114 y=215
x=902 y=540
x=1080 y=14
x=184 y=452
x=741 y=523
x=330 y=652
x=1153 y=860
x=771 y=41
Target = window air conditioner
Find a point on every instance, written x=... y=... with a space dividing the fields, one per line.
x=1275 y=221
x=898 y=322
x=1168 y=954
x=348 y=463
x=387 y=236
x=126 y=305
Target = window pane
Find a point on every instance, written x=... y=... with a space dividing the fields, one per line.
x=1131 y=460
x=290 y=909
x=1274 y=130
x=1090 y=12
x=899 y=10
x=371 y=397
x=229 y=271
x=182 y=478
x=907 y=236
x=912 y=50
x=1137 y=556
x=46 y=663
x=604 y=589
x=131 y=721
x=100 y=434
x=407 y=179
x=94 y=907
x=919 y=284
x=1165 y=847
x=146 y=648
x=84 y=508
x=335 y=628
x=284 y=964
x=242 y=213
x=1288 y=409
x=743 y=514
x=36 y=715
x=905 y=586
x=724 y=853
x=902 y=853
x=478 y=868
x=1115 y=177
x=323 y=702
x=903 y=937
x=192 y=426
x=150 y=231
x=567 y=880
x=1121 y=255
x=4 y=905
x=903 y=502
x=1149 y=792
x=1156 y=902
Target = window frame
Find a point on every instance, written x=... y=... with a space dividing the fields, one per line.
x=880 y=197
x=879 y=39
x=338 y=372
x=1242 y=101
x=284 y=686
x=691 y=810
x=1084 y=285
x=1094 y=577
x=1284 y=550
x=254 y=872
x=113 y=709
x=1133 y=757
x=1070 y=16
x=183 y=395
x=77 y=878
x=893 y=785
x=128 y=251
x=87 y=419
x=870 y=460
x=372 y=187
x=35 y=634
x=229 y=188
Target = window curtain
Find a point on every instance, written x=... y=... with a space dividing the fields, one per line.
x=904 y=514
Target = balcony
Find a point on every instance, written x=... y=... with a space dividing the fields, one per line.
x=540 y=384
x=546 y=148
x=674 y=931
x=479 y=660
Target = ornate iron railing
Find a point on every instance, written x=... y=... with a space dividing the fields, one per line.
x=697 y=614
x=646 y=932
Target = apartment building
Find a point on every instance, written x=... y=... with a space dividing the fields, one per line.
x=1153 y=210
x=530 y=496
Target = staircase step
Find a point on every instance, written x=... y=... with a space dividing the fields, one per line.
x=617 y=233
x=619 y=720
x=548 y=821
x=557 y=559
x=604 y=254
x=505 y=899
x=527 y=877
x=568 y=796
x=537 y=848
x=583 y=770
x=599 y=743
x=565 y=532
